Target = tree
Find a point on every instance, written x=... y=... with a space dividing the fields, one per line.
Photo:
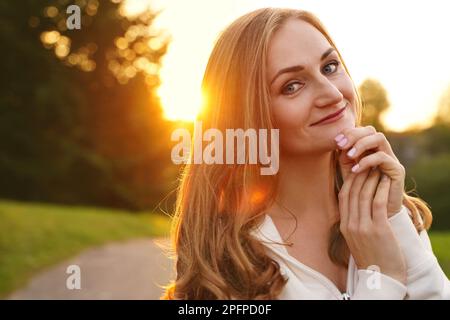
x=443 y=111
x=375 y=102
x=432 y=179
x=81 y=122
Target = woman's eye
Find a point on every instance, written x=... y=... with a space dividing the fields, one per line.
x=291 y=88
x=331 y=67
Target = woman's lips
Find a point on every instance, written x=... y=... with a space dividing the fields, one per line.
x=331 y=118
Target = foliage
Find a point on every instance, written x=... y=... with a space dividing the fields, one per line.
x=79 y=118
x=375 y=102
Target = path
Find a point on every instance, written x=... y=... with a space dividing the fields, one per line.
x=128 y=270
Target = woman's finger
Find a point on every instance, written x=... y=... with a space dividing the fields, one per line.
x=344 y=141
x=387 y=164
x=379 y=205
x=374 y=142
x=353 y=219
x=366 y=198
x=394 y=170
x=349 y=136
x=344 y=194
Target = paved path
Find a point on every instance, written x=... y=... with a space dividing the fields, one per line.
x=128 y=270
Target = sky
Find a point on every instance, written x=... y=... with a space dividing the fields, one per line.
x=403 y=44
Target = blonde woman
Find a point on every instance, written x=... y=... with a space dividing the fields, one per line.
x=335 y=221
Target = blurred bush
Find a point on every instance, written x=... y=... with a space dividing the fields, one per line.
x=432 y=177
x=426 y=157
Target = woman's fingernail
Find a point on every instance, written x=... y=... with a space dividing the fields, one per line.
x=339 y=137
x=352 y=152
x=355 y=168
x=343 y=142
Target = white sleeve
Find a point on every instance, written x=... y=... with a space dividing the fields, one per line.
x=373 y=285
x=425 y=278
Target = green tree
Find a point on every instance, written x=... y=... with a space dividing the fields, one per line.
x=80 y=121
x=375 y=102
x=432 y=182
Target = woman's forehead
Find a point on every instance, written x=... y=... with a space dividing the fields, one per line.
x=295 y=43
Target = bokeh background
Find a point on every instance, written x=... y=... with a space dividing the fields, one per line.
x=86 y=116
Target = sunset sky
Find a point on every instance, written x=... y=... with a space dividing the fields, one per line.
x=403 y=44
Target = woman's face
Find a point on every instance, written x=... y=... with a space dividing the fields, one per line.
x=315 y=86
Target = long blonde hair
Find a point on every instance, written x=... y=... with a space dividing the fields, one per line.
x=219 y=205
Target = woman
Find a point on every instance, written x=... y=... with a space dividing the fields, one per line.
x=322 y=228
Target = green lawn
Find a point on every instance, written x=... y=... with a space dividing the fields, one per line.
x=440 y=242
x=34 y=236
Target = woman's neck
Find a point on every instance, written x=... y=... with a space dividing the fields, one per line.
x=306 y=189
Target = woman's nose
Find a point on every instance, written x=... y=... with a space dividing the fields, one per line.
x=327 y=93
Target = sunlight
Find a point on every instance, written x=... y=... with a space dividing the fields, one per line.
x=180 y=103
x=132 y=8
x=405 y=56
x=183 y=66
x=405 y=52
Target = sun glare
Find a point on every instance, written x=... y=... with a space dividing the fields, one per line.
x=377 y=50
x=193 y=32
x=131 y=8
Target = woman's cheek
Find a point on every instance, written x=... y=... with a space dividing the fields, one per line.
x=345 y=86
x=289 y=114
x=291 y=119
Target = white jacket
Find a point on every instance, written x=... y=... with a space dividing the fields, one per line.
x=425 y=278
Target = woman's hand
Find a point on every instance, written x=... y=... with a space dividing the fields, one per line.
x=364 y=224
x=363 y=148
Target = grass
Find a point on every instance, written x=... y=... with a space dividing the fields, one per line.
x=34 y=236
x=440 y=242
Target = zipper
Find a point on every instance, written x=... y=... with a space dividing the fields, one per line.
x=345 y=296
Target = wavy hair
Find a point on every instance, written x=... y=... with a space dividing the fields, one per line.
x=219 y=205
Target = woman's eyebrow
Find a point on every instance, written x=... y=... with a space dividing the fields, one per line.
x=300 y=67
